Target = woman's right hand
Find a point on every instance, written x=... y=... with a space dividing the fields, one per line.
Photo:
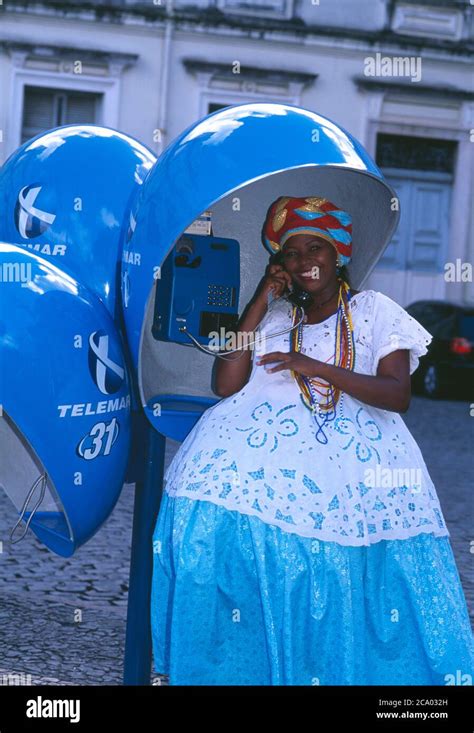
x=276 y=280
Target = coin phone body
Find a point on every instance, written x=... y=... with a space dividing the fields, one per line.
x=197 y=290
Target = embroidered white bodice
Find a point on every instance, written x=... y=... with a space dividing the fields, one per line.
x=256 y=451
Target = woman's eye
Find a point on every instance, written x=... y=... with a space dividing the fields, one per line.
x=315 y=246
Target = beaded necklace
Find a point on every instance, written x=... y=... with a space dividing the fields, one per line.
x=324 y=411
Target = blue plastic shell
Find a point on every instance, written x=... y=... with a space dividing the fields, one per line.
x=217 y=156
x=64 y=195
x=65 y=397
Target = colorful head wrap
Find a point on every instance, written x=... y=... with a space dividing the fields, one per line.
x=288 y=216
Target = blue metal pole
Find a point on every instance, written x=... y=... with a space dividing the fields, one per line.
x=148 y=492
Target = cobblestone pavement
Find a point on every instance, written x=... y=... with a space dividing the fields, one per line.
x=62 y=620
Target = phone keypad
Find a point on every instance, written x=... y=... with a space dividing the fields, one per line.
x=220 y=295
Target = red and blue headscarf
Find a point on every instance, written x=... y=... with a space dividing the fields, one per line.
x=289 y=215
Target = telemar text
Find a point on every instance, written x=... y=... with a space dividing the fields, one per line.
x=81 y=409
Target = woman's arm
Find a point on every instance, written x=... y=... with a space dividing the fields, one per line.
x=390 y=389
x=233 y=371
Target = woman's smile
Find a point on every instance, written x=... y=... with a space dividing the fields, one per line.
x=309 y=275
x=310 y=260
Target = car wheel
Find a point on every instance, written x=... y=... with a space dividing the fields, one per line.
x=430 y=382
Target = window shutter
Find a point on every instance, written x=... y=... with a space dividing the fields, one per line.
x=80 y=109
x=38 y=112
x=44 y=109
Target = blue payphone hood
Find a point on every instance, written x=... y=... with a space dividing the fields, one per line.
x=269 y=149
x=65 y=397
x=64 y=387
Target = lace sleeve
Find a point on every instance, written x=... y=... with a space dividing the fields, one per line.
x=278 y=309
x=274 y=320
x=393 y=329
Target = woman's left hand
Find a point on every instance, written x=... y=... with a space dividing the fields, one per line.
x=290 y=360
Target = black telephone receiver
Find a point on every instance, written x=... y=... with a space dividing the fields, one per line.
x=300 y=297
x=297 y=296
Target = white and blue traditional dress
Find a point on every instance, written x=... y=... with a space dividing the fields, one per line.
x=281 y=558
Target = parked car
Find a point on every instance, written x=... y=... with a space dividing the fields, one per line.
x=447 y=370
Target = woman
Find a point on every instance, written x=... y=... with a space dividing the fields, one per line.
x=300 y=540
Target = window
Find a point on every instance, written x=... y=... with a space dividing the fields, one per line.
x=466 y=326
x=282 y=8
x=415 y=153
x=438 y=318
x=45 y=108
x=214 y=106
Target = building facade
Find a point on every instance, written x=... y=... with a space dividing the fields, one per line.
x=398 y=75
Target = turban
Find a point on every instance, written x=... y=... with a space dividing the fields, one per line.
x=288 y=216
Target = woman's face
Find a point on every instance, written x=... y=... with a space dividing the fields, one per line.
x=310 y=260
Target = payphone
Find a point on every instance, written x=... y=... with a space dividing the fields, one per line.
x=197 y=291
x=65 y=388
x=235 y=161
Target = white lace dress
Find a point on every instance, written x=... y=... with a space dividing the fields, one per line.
x=256 y=451
x=282 y=560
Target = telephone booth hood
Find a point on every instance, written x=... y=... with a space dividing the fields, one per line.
x=64 y=195
x=65 y=397
x=235 y=163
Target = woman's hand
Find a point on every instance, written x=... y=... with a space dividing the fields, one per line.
x=290 y=360
x=389 y=389
x=276 y=280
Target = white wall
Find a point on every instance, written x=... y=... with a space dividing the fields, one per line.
x=139 y=99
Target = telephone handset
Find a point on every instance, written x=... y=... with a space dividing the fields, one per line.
x=297 y=295
x=300 y=297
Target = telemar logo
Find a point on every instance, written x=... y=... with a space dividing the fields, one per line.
x=132 y=225
x=106 y=370
x=125 y=288
x=30 y=220
x=33 y=217
x=128 y=255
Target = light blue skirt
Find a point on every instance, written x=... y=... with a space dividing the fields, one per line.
x=236 y=601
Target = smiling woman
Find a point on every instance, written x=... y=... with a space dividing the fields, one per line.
x=322 y=257
x=281 y=557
